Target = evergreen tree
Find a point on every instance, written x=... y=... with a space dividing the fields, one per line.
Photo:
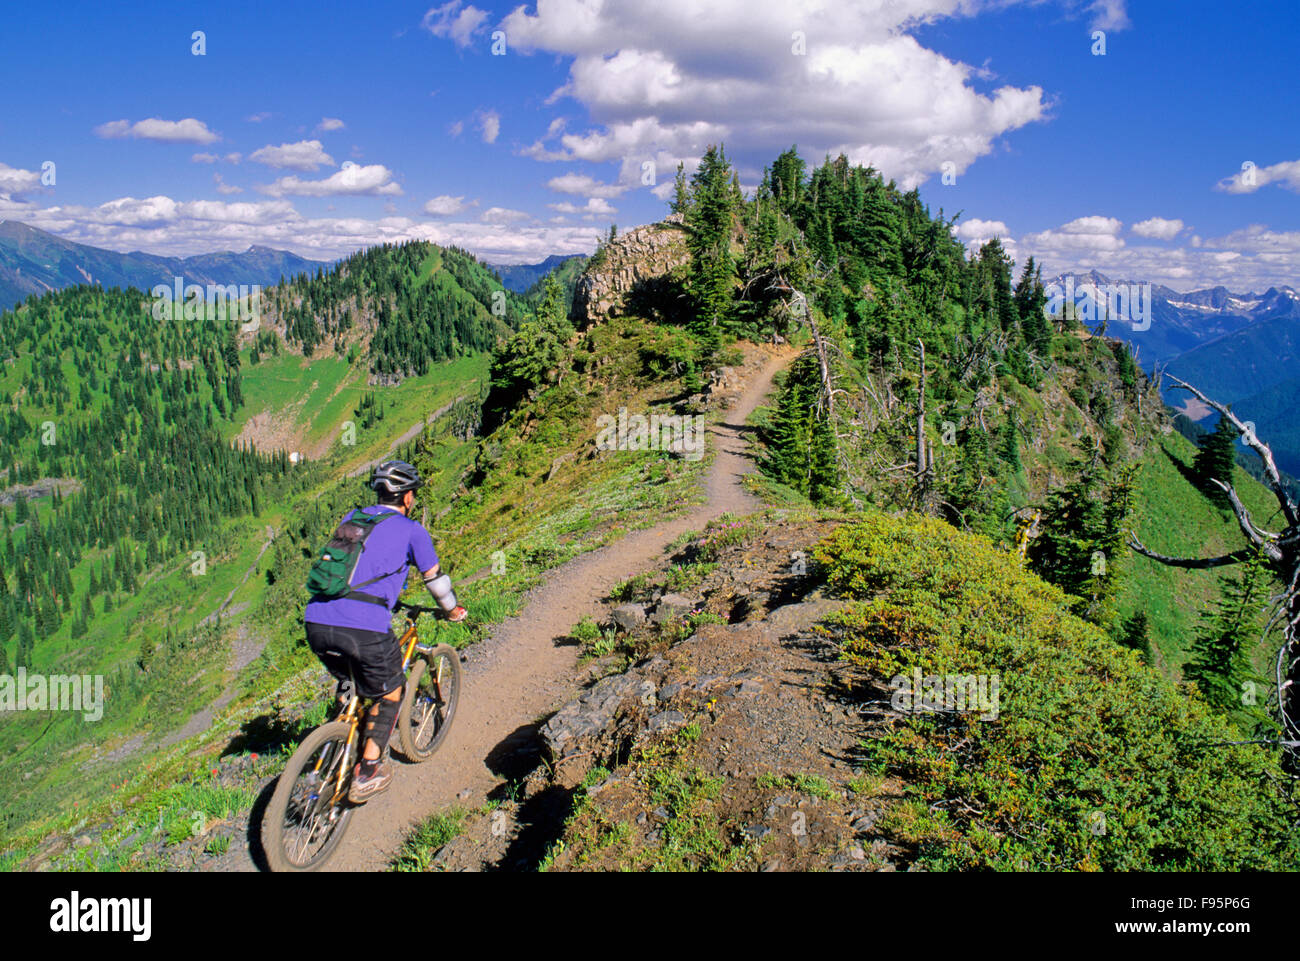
x=711 y=218
x=26 y=646
x=1214 y=460
x=1010 y=452
x=802 y=442
x=1082 y=540
x=1220 y=658
x=1135 y=633
x=1031 y=301
x=8 y=619
x=788 y=180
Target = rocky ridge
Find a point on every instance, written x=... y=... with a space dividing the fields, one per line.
x=632 y=272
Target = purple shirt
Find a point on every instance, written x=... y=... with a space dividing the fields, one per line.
x=393 y=545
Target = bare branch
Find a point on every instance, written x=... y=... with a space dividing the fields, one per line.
x=1260 y=538
x=1236 y=557
x=1257 y=445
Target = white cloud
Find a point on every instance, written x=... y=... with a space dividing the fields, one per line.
x=162 y=210
x=447 y=205
x=329 y=123
x=211 y=158
x=456 y=21
x=975 y=233
x=1251 y=259
x=865 y=86
x=1085 y=234
x=257 y=117
x=1158 y=228
x=14 y=180
x=584 y=186
x=538 y=149
x=188 y=130
x=162 y=225
x=225 y=188
x=352 y=179
x=456 y=129
x=303 y=155
x=595 y=207
x=980 y=230
x=1108 y=15
x=503 y=215
x=1251 y=177
x=490 y=123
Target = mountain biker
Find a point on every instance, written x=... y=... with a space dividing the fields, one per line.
x=353 y=635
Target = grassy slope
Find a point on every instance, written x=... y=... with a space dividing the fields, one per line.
x=312 y=398
x=171 y=595
x=538 y=523
x=1172 y=517
x=309 y=398
x=1086 y=737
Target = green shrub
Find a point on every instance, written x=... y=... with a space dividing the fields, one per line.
x=423 y=844
x=683 y=577
x=1094 y=761
x=626 y=590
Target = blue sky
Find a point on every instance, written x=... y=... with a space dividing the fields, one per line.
x=322 y=129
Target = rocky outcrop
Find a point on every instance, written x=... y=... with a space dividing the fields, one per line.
x=632 y=273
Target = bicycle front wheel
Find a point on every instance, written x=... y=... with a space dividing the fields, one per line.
x=309 y=812
x=429 y=706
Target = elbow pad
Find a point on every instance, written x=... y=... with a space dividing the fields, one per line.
x=440 y=588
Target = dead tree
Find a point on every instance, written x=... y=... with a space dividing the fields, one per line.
x=922 y=465
x=1282 y=553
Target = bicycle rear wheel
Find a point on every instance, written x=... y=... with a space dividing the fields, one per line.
x=307 y=817
x=429 y=706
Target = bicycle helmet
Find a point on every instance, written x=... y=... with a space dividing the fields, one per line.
x=395 y=477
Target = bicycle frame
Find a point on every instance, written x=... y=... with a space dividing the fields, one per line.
x=312 y=807
x=351 y=714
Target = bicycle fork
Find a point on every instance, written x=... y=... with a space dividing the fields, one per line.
x=345 y=765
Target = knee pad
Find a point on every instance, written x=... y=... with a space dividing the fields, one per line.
x=379 y=726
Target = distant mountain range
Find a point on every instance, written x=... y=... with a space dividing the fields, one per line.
x=519 y=277
x=1181 y=322
x=1240 y=349
x=33 y=262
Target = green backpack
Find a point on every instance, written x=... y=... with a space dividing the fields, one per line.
x=331 y=576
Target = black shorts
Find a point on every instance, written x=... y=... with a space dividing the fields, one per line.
x=371 y=657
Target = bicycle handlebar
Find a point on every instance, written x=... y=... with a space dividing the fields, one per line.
x=416 y=609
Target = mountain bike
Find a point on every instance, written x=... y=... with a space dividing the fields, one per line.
x=309 y=812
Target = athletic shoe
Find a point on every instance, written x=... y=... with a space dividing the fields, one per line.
x=363 y=789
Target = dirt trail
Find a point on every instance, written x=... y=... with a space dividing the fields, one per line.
x=520 y=674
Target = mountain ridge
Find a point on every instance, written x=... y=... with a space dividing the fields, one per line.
x=34 y=261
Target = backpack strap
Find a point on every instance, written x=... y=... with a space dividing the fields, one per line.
x=356 y=595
